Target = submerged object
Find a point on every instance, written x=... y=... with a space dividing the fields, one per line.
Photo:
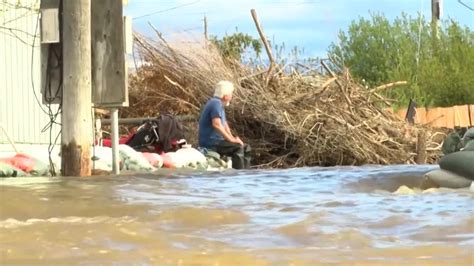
x=444 y=178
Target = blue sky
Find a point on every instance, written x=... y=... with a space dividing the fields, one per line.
x=308 y=24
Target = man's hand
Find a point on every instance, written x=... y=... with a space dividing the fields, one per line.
x=239 y=141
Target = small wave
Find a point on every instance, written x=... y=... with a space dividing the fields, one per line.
x=202 y=217
x=336 y=203
x=14 y=223
x=385 y=183
x=404 y=190
x=309 y=232
x=392 y=221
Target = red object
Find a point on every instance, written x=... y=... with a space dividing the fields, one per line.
x=22 y=162
x=167 y=161
x=122 y=140
x=175 y=144
x=151 y=157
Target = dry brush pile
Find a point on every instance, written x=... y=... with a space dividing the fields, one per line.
x=289 y=119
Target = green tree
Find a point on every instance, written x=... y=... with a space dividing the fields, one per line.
x=233 y=47
x=439 y=71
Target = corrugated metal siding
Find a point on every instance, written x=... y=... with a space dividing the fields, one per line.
x=20 y=114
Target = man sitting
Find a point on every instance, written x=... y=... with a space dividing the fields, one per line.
x=214 y=130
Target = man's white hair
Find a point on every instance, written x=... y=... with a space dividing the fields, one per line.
x=223 y=88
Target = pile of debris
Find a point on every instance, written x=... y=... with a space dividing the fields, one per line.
x=289 y=119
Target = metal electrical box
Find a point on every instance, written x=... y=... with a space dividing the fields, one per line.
x=50 y=25
x=51 y=52
x=109 y=74
x=128 y=34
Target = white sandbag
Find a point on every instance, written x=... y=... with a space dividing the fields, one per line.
x=102 y=153
x=101 y=158
x=43 y=156
x=7 y=170
x=101 y=165
x=173 y=160
x=154 y=159
x=134 y=160
x=190 y=157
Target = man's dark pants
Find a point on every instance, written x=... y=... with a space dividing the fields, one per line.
x=240 y=154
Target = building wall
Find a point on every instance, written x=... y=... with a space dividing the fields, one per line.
x=22 y=113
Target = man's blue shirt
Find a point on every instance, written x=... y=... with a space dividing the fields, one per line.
x=207 y=134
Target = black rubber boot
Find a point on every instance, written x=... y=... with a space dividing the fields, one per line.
x=238 y=161
x=247 y=162
x=247 y=156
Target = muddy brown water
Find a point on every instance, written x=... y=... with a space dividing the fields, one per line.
x=305 y=216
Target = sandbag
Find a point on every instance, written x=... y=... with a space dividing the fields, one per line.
x=134 y=160
x=191 y=158
x=469 y=146
x=168 y=160
x=469 y=135
x=28 y=164
x=216 y=164
x=102 y=158
x=43 y=156
x=7 y=170
x=452 y=143
x=448 y=179
x=214 y=160
x=460 y=163
x=154 y=159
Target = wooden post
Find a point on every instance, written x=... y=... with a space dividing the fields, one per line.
x=115 y=142
x=76 y=116
x=470 y=115
x=205 y=29
x=421 y=147
x=263 y=37
x=436 y=7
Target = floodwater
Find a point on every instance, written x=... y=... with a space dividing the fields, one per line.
x=307 y=216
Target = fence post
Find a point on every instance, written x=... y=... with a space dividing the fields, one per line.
x=421 y=147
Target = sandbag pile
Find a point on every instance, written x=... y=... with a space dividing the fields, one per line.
x=23 y=165
x=132 y=160
x=457 y=165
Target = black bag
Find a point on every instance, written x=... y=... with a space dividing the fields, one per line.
x=162 y=134
x=146 y=137
x=170 y=132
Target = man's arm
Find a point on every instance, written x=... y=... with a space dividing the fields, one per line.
x=224 y=130
x=227 y=128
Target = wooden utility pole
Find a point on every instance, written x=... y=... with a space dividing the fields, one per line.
x=436 y=10
x=76 y=115
x=205 y=29
x=263 y=37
